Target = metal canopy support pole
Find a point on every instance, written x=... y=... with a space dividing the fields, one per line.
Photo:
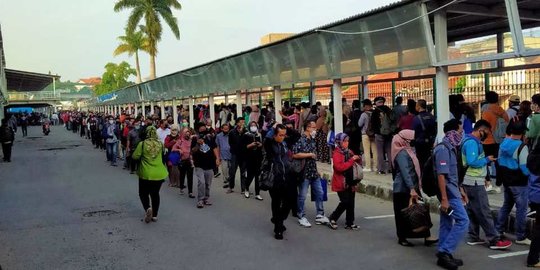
x=515 y=27
x=136 y=110
x=143 y=109
x=277 y=103
x=226 y=99
x=175 y=111
x=441 y=78
x=152 y=108
x=191 y=114
x=238 y=103
x=338 y=106
x=162 y=108
x=212 y=109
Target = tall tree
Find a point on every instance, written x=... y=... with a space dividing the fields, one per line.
x=132 y=43
x=115 y=77
x=153 y=12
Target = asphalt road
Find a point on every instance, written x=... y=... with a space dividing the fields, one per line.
x=63 y=207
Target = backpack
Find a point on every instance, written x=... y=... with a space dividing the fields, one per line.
x=369 y=129
x=534 y=155
x=388 y=123
x=430 y=181
x=512 y=177
x=500 y=130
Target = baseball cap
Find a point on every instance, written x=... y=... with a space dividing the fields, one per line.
x=377 y=99
x=514 y=98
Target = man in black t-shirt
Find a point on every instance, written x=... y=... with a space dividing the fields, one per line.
x=204 y=153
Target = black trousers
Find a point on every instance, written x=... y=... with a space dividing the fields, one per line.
x=6 y=151
x=283 y=201
x=403 y=230
x=186 y=170
x=423 y=152
x=534 y=251
x=149 y=190
x=253 y=172
x=24 y=129
x=346 y=203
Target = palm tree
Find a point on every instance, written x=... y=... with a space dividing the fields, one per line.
x=132 y=43
x=153 y=12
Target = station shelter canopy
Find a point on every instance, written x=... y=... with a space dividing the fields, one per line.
x=393 y=38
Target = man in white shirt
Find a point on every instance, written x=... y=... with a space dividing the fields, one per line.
x=163 y=130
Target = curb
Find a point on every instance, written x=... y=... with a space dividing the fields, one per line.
x=385 y=193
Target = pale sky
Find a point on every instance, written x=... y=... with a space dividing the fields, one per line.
x=76 y=38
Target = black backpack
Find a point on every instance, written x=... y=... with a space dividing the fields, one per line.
x=430 y=181
x=534 y=155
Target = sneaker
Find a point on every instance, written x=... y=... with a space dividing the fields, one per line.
x=229 y=191
x=217 y=174
x=182 y=192
x=258 y=197
x=445 y=261
x=500 y=244
x=207 y=202
x=304 y=222
x=246 y=194
x=148 y=215
x=191 y=195
x=366 y=169
x=474 y=242
x=200 y=204
x=525 y=242
x=381 y=172
x=320 y=219
x=531 y=213
x=154 y=219
x=226 y=186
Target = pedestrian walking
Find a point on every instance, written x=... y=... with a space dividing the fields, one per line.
x=252 y=143
x=7 y=136
x=152 y=173
x=204 y=153
x=342 y=182
x=183 y=146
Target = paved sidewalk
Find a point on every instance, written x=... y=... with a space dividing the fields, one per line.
x=381 y=186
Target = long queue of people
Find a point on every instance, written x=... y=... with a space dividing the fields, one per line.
x=399 y=140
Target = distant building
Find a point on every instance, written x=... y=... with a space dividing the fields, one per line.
x=273 y=37
x=88 y=82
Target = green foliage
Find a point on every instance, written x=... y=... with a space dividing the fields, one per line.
x=114 y=78
x=131 y=43
x=460 y=85
x=152 y=12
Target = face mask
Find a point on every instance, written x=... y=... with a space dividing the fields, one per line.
x=313 y=134
x=253 y=129
x=111 y=122
x=184 y=124
x=483 y=136
x=137 y=127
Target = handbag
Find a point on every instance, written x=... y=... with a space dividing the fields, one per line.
x=417 y=216
x=297 y=165
x=266 y=178
x=174 y=158
x=358 y=172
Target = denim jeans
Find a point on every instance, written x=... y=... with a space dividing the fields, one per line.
x=318 y=191
x=517 y=195
x=112 y=150
x=453 y=228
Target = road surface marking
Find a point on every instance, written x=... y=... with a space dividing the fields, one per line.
x=378 y=217
x=511 y=254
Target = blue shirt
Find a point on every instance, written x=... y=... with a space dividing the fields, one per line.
x=446 y=164
x=222 y=142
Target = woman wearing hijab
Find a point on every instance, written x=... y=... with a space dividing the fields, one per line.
x=406 y=173
x=172 y=164
x=252 y=143
x=344 y=160
x=151 y=172
x=183 y=146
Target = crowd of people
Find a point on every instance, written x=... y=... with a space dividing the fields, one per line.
x=474 y=157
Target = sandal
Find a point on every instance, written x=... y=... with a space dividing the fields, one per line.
x=333 y=225
x=352 y=227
